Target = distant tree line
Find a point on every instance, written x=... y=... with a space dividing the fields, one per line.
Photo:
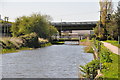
x=36 y=23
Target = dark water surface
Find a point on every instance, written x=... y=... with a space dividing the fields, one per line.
x=56 y=61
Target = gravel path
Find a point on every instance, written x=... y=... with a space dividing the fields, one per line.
x=112 y=48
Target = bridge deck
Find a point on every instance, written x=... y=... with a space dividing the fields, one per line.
x=75 y=25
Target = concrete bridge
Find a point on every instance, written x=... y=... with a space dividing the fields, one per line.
x=64 y=26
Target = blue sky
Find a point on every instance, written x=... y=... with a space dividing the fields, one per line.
x=74 y=10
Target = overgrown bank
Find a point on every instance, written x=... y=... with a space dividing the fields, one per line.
x=109 y=65
x=87 y=43
x=29 y=41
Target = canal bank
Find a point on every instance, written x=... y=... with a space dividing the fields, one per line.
x=12 y=50
x=105 y=64
x=25 y=42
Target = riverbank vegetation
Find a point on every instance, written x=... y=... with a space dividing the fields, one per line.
x=57 y=42
x=106 y=65
x=108 y=27
x=28 y=42
x=12 y=50
x=35 y=23
x=88 y=44
x=109 y=68
x=28 y=32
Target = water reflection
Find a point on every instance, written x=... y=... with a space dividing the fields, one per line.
x=71 y=42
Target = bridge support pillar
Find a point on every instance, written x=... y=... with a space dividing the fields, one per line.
x=60 y=33
x=79 y=39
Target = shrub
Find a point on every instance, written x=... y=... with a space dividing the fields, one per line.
x=30 y=40
x=105 y=55
x=90 y=69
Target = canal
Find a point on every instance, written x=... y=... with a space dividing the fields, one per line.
x=56 y=61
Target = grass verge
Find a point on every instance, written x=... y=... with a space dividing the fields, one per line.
x=115 y=43
x=3 y=51
x=110 y=62
x=111 y=67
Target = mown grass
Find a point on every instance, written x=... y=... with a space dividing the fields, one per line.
x=111 y=70
x=115 y=43
x=109 y=61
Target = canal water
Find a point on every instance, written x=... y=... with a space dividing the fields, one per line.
x=56 y=61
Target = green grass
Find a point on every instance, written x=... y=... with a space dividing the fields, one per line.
x=83 y=40
x=0 y=21
x=45 y=44
x=111 y=70
x=3 y=51
x=115 y=43
x=58 y=42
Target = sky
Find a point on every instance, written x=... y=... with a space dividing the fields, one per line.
x=65 y=10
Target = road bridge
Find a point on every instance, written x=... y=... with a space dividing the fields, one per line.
x=64 y=26
x=70 y=26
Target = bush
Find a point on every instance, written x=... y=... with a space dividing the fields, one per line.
x=109 y=38
x=30 y=40
x=90 y=69
x=105 y=55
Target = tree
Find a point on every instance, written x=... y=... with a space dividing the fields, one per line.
x=113 y=29
x=105 y=12
x=114 y=24
x=99 y=33
x=37 y=23
x=117 y=19
x=106 y=8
